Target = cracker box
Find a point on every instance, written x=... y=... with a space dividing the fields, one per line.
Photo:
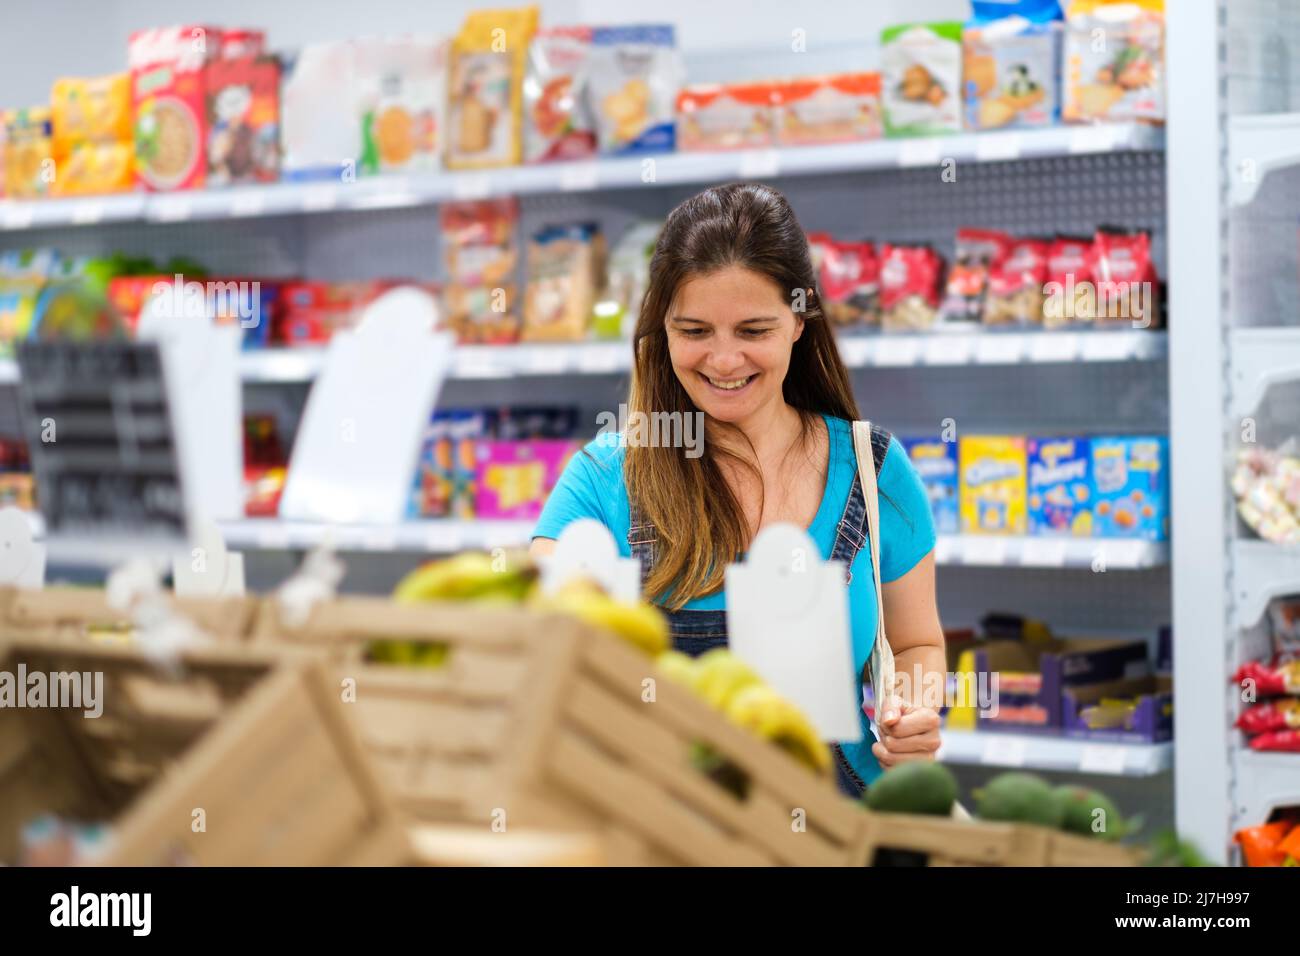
x=992 y=484
x=921 y=78
x=633 y=76
x=514 y=477
x=1012 y=65
x=726 y=116
x=1114 y=61
x=1130 y=481
x=828 y=109
x=1060 y=489
x=935 y=462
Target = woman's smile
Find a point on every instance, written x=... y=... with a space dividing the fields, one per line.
x=730 y=385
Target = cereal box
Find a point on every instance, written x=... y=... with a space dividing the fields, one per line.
x=1130 y=482
x=992 y=484
x=243 y=143
x=935 y=462
x=514 y=477
x=1060 y=490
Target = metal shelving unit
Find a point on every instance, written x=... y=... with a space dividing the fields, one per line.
x=1060 y=754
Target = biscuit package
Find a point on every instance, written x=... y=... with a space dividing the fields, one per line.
x=1130 y=479
x=565 y=268
x=1012 y=64
x=634 y=75
x=921 y=78
x=849 y=276
x=1125 y=276
x=485 y=90
x=1015 y=284
x=726 y=116
x=615 y=315
x=402 y=91
x=557 y=123
x=968 y=277
x=1114 y=61
x=909 y=287
x=1059 y=486
x=935 y=462
x=321 y=139
x=828 y=109
x=91 y=135
x=992 y=484
x=481 y=255
x=29 y=170
x=1069 y=296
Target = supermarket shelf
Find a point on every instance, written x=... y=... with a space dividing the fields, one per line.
x=1264 y=782
x=1261 y=571
x=1258 y=145
x=1039 y=752
x=1261 y=358
x=391 y=192
x=434 y=536
x=1008 y=551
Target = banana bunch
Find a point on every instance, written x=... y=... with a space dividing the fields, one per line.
x=506 y=578
x=641 y=624
x=407 y=653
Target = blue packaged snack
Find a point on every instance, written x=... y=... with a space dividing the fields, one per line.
x=1130 y=481
x=1012 y=64
x=935 y=462
x=633 y=76
x=1060 y=489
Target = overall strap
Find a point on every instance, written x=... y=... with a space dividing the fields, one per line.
x=643 y=539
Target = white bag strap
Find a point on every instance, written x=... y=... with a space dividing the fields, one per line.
x=882 y=656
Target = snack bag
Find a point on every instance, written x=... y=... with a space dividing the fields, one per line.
x=564 y=271
x=29 y=168
x=849 y=276
x=1114 y=61
x=22 y=277
x=90 y=110
x=1266 y=485
x=992 y=484
x=909 y=287
x=1269 y=681
x=243 y=120
x=1125 y=279
x=481 y=258
x=634 y=74
x=1130 y=487
x=1060 y=489
x=1015 y=284
x=485 y=92
x=614 y=315
x=1284 y=623
x=514 y=477
x=967 y=284
x=921 y=78
x=1069 y=295
x=402 y=86
x=839 y=108
x=1012 y=64
x=1283 y=741
x=319 y=104
x=935 y=462
x=557 y=123
x=1280 y=714
x=725 y=116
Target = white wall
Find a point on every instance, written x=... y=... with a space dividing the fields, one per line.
x=43 y=39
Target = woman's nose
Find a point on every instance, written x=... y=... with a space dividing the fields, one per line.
x=725 y=362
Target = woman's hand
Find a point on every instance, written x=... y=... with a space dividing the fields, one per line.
x=908 y=733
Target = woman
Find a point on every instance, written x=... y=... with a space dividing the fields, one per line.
x=731 y=326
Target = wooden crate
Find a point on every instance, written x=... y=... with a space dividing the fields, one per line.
x=539 y=721
x=443 y=844
x=903 y=839
x=250 y=736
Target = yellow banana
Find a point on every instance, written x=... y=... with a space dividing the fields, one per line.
x=469 y=576
x=720 y=675
x=641 y=625
x=678 y=667
x=765 y=713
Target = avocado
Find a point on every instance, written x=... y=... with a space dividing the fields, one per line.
x=1079 y=810
x=1019 y=798
x=920 y=787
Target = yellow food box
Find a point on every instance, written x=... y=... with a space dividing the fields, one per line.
x=992 y=484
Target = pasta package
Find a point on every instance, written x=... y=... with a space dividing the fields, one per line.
x=485 y=92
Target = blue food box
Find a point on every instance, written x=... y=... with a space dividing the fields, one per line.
x=935 y=462
x=1060 y=487
x=1130 y=482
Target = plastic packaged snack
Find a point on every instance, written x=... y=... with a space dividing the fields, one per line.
x=849 y=276
x=992 y=484
x=967 y=283
x=909 y=287
x=634 y=73
x=1114 y=61
x=243 y=120
x=1060 y=487
x=319 y=104
x=1262 y=845
x=1125 y=279
x=1266 y=484
x=1012 y=64
x=1069 y=295
x=481 y=257
x=921 y=78
x=564 y=269
x=1268 y=680
x=1130 y=487
x=90 y=110
x=615 y=314
x=1280 y=714
x=1284 y=624
x=402 y=91
x=839 y=108
x=29 y=169
x=935 y=462
x=726 y=116
x=1284 y=741
x=1015 y=284
x=485 y=91
x=557 y=123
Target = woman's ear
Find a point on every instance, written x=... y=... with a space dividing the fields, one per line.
x=798 y=327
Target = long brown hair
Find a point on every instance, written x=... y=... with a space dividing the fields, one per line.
x=699 y=522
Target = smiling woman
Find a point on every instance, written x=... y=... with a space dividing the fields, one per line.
x=731 y=327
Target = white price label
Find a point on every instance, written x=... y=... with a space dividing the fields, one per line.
x=443 y=537
x=379 y=539
x=388 y=199
x=247 y=204
x=274 y=538
x=1092 y=139
x=1128 y=554
x=580 y=177
x=1102 y=758
x=1044 y=552
x=922 y=151
x=547 y=360
x=1107 y=346
x=951 y=349
x=990 y=550
x=997 y=349
x=505 y=534
x=320 y=198
x=855 y=350
x=16 y=216
x=1054 y=347
x=171 y=208
x=991 y=147
x=945 y=548
x=890 y=350
x=471 y=186
x=1003 y=750
x=87 y=213
x=760 y=164
x=600 y=359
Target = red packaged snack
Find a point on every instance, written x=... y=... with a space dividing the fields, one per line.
x=1269 y=681
x=1068 y=295
x=1125 y=278
x=849 y=276
x=909 y=287
x=1280 y=714
x=1261 y=845
x=243 y=144
x=977 y=251
x=1015 y=286
x=1285 y=741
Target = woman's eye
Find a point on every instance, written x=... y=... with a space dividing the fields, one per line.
x=691 y=333
x=756 y=333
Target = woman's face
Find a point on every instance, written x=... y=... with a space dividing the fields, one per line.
x=729 y=338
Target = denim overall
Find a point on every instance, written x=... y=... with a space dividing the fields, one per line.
x=695 y=632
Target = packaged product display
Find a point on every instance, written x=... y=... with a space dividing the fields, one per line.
x=968 y=275
x=634 y=74
x=557 y=118
x=1130 y=487
x=565 y=268
x=910 y=278
x=480 y=248
x=243 y=120
x=1069 y=297
x=1060 y=486
x=839 y=108
x=935 y=462
x=513 y=478
x=29 y=170
x=91 y=135
x=265 y=466
x=1284 y=623
x=921 y=78
x=1114 y=61
x=1012 y=64
x=321 y=139
x=992 y=484
x=1271 y=844
x=726 y=116
x=849 y=276
x=402 y=91
x=484 y=91
x=1126 y=280
x=615 y=313
x=1015 y=285
x=1266 y=484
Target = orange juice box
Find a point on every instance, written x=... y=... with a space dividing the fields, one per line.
x=992 y=484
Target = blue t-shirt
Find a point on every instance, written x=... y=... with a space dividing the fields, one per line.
x=592 y=486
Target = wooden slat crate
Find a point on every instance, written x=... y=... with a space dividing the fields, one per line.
x=441 y=844
x=539 y=721
x=249 y=735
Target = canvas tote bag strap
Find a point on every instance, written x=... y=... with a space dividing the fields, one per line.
x=882 y=657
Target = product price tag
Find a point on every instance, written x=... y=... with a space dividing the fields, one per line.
x=1102 y=758
x=88 y=212
x=548 y=360
x=996 y=349
x=986 y=551
x=580 y=177
x=319 y=198
x=760 y=164
x=171 y=208
x=1091 y=139
x=274 y=537
x=991 y=147
x=443 y=537
x=1043 y=553
x=923 y=151
x=15 y=215
x=1054 y=347
x=466 y=186
x=948 y=350
x=247 y=204
x=945 y=549
x=901 y=350
x=855 y=350
x=378 y=539
x=1107 y=346
x=1004 y=750
x=506 y=534
x=600 y=359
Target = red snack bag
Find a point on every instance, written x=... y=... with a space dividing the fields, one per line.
x=1280 y=714
x=1286 y=741
x=1015 y=287
x=1270 y=681
x=1261 y=845
x=977 y=251
x=909 y=287
x=1125 y=278
x=1068 y=295
x=849 y=276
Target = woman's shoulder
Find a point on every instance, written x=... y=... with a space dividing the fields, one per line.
x=883 y=443
x=603 y=456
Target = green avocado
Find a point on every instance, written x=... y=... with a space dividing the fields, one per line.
x=1019 y=798
x=922 y=787
x=1089 y=813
